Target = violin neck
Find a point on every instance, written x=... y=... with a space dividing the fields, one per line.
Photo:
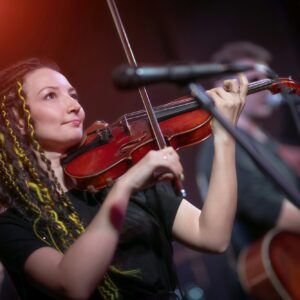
x=187 y=104
x=261 y=85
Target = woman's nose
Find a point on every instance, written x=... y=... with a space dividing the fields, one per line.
x=73 y=105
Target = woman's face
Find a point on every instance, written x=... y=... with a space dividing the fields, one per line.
x=55 y=110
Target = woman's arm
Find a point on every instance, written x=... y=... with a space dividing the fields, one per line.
x=210 y=229
x=77 y=273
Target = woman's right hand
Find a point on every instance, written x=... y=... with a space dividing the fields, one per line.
x=154 y=166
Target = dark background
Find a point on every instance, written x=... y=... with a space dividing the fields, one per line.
x=80 y=36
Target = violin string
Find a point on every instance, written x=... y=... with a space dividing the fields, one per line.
x=253 y=87
x=161 y=109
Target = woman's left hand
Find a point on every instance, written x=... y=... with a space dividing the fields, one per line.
x=229 y=100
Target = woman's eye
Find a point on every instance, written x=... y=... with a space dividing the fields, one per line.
x=50 y=96
x=75 y=96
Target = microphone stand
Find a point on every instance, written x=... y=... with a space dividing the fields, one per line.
x=205 y=101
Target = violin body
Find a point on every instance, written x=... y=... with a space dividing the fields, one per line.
x=129 y=139
x=109 y=150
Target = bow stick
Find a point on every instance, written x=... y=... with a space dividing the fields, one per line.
x=142 y=90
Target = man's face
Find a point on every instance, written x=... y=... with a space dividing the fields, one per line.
x=257 y=105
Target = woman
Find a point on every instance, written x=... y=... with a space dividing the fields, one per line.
x=61 y=243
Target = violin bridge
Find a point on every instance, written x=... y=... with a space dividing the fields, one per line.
x=124 y=123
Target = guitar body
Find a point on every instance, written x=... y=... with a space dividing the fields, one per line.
x=269 y=269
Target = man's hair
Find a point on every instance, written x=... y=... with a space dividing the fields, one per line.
x=234 y=51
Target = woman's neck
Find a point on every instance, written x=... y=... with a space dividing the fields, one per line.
x=55 y=159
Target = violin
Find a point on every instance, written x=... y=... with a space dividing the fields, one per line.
x=107 y=151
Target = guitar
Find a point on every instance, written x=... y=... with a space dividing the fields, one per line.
x=269 y=269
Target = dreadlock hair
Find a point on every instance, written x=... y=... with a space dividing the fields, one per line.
x=26 y=187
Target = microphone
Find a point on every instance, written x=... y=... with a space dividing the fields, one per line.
x=128 y=77
x=275 y=100
x=270 y=73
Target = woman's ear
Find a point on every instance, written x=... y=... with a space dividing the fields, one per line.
x=21 y=126
x=20 y=121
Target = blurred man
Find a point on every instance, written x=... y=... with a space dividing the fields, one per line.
x=261 y=205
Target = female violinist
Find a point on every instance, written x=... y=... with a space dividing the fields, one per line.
x=58 y=242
